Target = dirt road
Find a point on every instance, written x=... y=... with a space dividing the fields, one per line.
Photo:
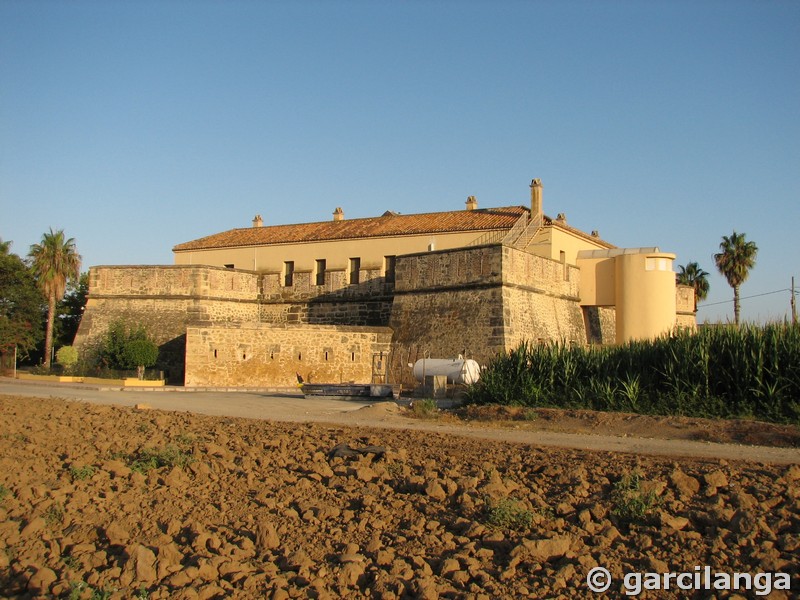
x=290 y=406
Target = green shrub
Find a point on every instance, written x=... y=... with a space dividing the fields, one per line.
x=67 y=357
x=71 y=562
x=508 y=513
x=81 y=473
x=54 y=514
x=631 y=501
x=155 y=458
x=425 y=408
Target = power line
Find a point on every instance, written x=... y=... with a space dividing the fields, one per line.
x=796 y=293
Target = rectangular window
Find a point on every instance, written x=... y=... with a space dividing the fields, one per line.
x=229 y=266
x=355 y=270
x=320 y=279
x=657 y=264
x=388 y=268
x=288 y=273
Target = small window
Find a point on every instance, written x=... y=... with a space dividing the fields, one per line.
x=355 y=270
x=288 y=273
x=388 y=268
x=657 y=264
x=321 y=266
x=229 y=266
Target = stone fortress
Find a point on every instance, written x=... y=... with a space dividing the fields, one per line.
x=356 y=300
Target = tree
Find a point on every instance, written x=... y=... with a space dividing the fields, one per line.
x=128 y=348
x=692 y=275
x=54 y=261
x=21 y=305
x=70 y=310
x=140 y=354
x=734 y=261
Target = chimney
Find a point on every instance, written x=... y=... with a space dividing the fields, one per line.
x=472 y=203
x=258 y=221
x=536 y=199
x=338 y=214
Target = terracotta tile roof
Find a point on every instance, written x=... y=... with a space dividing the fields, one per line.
x=389 y=224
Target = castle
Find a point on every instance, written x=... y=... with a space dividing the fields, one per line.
x=358 y=299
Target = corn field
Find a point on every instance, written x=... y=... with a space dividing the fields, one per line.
x=729 y=372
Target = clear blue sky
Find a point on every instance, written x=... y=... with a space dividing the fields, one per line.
x=135 y=126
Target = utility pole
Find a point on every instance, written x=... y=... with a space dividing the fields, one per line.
x=794 y=304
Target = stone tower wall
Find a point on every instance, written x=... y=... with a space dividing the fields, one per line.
x=448 y=303
x=164 y=300
x=480 y=301
x=540 y=299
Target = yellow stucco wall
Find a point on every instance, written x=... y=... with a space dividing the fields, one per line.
x=551 y=241
x=598 y=281
x=645 y=295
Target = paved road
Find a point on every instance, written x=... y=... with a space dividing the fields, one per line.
x=289 y=405
x=286 y=405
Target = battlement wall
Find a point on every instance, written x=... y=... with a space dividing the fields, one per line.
x=164 y=300
x=457 y=268
x=482 y=300
x=173 y=281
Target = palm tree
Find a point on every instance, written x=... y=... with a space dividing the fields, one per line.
x=54 y=261
x=735 y=259
x=692 y=275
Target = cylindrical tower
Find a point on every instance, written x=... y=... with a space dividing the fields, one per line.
x=645 y=295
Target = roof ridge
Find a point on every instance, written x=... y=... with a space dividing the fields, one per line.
x=502 y=217
x=392 y=216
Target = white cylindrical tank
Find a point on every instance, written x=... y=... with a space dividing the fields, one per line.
x=458 y=370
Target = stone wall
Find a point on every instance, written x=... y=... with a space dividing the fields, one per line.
x=172 y=281
x=540 y=300
x=448 y=303
x=338 y=302
x=483 y=300
x=164 y=320
x=164 y=300
x=686 y=317
x=600 y=323
x=261 y=354
x=448 y=269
